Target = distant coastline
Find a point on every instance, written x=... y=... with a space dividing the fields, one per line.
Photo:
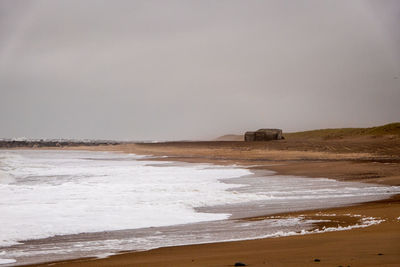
x=35 y=143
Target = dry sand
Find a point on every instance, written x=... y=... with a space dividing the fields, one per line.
x=367 y=160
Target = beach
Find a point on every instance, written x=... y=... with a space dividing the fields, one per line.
x=376 y=245
x=199 y=133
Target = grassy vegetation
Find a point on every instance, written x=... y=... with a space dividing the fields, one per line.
x=392 y=129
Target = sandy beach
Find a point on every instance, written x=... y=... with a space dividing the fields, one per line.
x=368 y=160
x=199 y=133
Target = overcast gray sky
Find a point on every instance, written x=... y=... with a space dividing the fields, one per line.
x=195 y=69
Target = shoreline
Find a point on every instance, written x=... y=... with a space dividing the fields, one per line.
x=162 y=256
x=148 y=258
x=212 y=251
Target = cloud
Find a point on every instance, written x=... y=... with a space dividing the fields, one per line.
x=194 y=69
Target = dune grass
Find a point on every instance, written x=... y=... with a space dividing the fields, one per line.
x=392 y=129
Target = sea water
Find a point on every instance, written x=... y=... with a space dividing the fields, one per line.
x=58 y=204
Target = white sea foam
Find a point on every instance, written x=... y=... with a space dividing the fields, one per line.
x=7 y=261
x=57 y=193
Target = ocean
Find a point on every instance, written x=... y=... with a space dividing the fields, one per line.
x=58 y=204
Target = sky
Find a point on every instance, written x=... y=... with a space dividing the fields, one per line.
x=195 y=70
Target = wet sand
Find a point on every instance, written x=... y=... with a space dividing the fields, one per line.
x=377 y=245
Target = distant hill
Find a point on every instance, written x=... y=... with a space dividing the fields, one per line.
x=391 y=129
x=230 y=137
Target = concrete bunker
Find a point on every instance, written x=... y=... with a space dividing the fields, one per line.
x=263 y=135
